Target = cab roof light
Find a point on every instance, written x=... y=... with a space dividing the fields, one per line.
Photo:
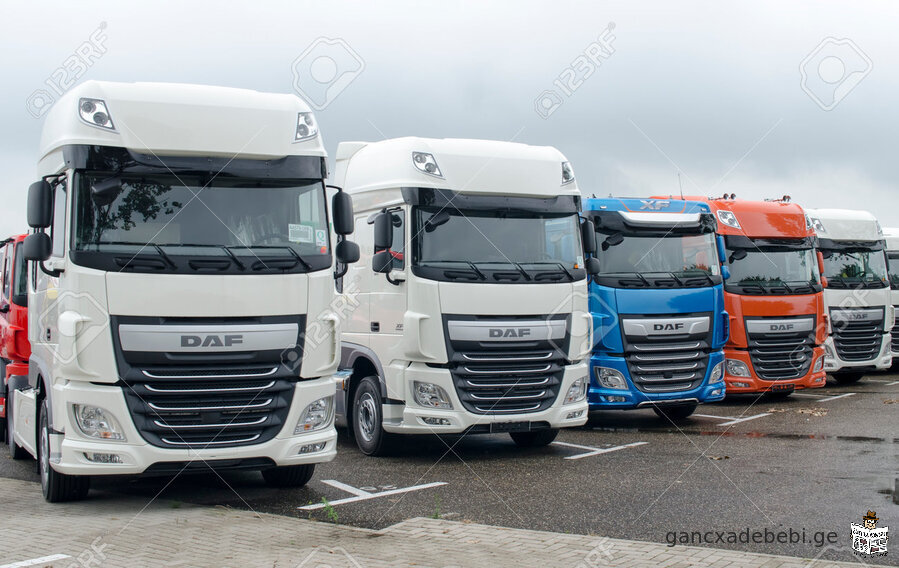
x=567 y=173
x=818 y=225
x=307 y=128
x=95 y=113
x=426 y=163
x=728 y=218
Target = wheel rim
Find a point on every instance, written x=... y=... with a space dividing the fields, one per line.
x=45 y=455
x=366 y=417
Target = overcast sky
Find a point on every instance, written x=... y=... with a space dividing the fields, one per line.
x=712 y=89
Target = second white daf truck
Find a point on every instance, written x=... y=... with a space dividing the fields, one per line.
x=891 y=236
x=471 y=295
x=182 y=259
x=857 y=295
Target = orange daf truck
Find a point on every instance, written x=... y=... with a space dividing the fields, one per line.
x=774 y=295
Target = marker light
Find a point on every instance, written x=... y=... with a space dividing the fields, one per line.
x=818 y=226
x=728 y=218
x=306 y=126
x=426 y=163
x=95 y=113
x=567 y=173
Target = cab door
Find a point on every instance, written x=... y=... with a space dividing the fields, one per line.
x=388 y=299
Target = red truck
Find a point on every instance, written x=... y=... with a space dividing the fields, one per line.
x=14 y=346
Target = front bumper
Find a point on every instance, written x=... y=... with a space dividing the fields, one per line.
x=598 y=396
x=68 y=448
x=754 y=384
x=883 y=361
x=409 y=418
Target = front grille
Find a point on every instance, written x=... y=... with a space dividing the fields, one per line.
x=508 y=377
x=895 y=336
x=857 y=340
x=783 y=354
x=208 y=413
x=205 y=398
x=668 y=362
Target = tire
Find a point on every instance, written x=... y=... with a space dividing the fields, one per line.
x=57 y=487
x=288 y=476
x=536 y=439
x=848 y=378
x=16 y=451
x=368 y=419
x=675 y=413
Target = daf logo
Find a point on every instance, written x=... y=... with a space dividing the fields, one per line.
x=510 y=332
x=857 y=316
x=212 y=340
x=781 y=326
x=653 y=205
x=667 y=326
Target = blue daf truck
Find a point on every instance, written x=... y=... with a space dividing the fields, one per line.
x=658 y=306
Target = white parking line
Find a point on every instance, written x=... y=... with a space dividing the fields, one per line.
x=595 y=451
x=731 y=420
x=809 y=395
x=837 y=396
x=36 y=561
x=893 y=383
x=362 y=495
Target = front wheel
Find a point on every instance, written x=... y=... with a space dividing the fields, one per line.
x=57 y=487
x=288 y=476
x=675 y=413
x=848 y=378
x=534 y=439
x=368 y=419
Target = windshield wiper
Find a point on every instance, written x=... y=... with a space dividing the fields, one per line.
x=560 y=265
x=233 y=256
x=520 y=269
x=165 y=257
x=480 y=275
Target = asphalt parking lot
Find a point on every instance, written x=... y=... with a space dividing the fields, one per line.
x=816 y=461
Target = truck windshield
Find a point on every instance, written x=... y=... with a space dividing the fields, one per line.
x=773 y=271
x=497 y=245
x=199 y=222
x=855 y=268
x=672 y=261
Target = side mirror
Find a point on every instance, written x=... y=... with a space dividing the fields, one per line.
x=342 y=212
x=37 y=247
x=40 y=205
x=592 y=265
x=725 y=272
x=612 y=240
x=738 y=254
x=105 y=192
x=588 y=235
x=4 y=308
x=820 y=262
x=347 y=252
x=722 y=250
x=382 y=262
x=383 y=231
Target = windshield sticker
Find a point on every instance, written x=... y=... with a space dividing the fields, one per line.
x=321 y=237
x=298 y=233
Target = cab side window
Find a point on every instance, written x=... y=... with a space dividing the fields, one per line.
x=5 y=274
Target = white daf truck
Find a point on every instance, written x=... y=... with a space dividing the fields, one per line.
x=181 y=257
x=471 y=296
x=891 y=237
x=857 y=294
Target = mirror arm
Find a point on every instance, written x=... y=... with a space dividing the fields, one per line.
x=391 y=280
x=48 y=272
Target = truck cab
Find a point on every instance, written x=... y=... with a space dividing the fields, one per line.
x=891 y=237
x=858 y=295
x=774 y=297
x=181 y=258
x=658 y=306
x=472 y=312
x=14 y=346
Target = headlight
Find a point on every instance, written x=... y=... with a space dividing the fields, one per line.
x=431 y=395
x=95 y=422
x=737 y=368
x=819 y=364
x=316 y=416
x=610 y=378
x=717 y=373
x=577 y=391
x=828 y=351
